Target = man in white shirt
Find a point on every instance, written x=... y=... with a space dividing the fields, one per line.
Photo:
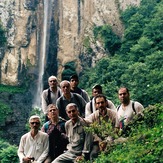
x=34 y=145
x=128 y=108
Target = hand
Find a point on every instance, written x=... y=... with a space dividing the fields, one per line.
x=79 y=158
x=28 y=159
x=102 y=145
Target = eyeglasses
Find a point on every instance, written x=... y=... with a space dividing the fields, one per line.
x=71 y=111
x=37 y=123
x=52 y=81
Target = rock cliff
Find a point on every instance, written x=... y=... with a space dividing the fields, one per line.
x=70 y=22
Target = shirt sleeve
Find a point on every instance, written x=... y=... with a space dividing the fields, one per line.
x=21 y=148
x=44 y=103
x=46 y=150
x=87 y=109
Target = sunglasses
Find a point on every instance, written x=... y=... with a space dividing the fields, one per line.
x=37 y=123
x=71 y=111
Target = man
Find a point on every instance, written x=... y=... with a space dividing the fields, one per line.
x=34 y=145
x=90 y=106
x=128 y=108
x=74 y=82
x=79 y=140
x=50 y=95
x=55 y=128
x=105 y=114
x=68 y=97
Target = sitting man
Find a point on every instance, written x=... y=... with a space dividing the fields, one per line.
x=105 y=114
x=34 y=145
x=79 y=140
x=55 y=128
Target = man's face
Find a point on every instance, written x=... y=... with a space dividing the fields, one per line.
x=101 y=105
x=123 y=95
x=52 y=82
x=72 y=113
x=96 y=92
x=74 y=83
x=53 y=112
x=35 y=124
x=65 y=87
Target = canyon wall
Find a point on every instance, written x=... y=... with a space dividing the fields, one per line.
x=73 y=20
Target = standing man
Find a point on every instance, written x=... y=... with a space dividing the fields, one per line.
x=34 y=145
x=105 y=114
x=91 y=107
x=68 y=97
x=128 y=108
x=55 y=128
x=74 y=82
x=50 y=95
x=79 y=140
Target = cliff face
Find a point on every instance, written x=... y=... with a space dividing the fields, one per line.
x=20 y=61
x=71 y=22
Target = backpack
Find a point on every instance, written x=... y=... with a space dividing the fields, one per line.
x=133 y=107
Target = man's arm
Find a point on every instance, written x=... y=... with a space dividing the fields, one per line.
x=44 y=102
x=87 y=109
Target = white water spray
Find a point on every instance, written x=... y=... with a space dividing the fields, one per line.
x=44 y=50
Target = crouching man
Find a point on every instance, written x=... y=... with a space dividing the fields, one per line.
x=79 y=141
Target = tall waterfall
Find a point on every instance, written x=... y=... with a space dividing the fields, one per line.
x=44 y=50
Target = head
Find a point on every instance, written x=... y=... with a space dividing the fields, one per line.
x=74 y=81
x=124 y=95
x=72 y=111
x=34 y=122
x=53 y=111
x=101 y=103
x=96 y=89
x=52 y=80
x=65 y=87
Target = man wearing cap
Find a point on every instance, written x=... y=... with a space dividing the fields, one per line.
x=50 y=95
x=90 y=106
x=74 y=81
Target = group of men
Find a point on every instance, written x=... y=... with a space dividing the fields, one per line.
x=68 y=109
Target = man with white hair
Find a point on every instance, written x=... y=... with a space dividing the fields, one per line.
x=34 y=145
x=50 y=95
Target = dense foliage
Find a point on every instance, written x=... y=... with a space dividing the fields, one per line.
x=137 y=63
x=144 y=143
x=8 y=153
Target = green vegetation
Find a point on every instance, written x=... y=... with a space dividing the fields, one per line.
x=3 y=39
x=110 y=40
x=12 y=89
x=8 y=152
x=144 y=143
x=69 y=69
x=137 y=63
x=5 y=111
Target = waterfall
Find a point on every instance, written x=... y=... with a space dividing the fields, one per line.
x=44 y=50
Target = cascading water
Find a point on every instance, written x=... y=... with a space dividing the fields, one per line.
x=44 y=50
